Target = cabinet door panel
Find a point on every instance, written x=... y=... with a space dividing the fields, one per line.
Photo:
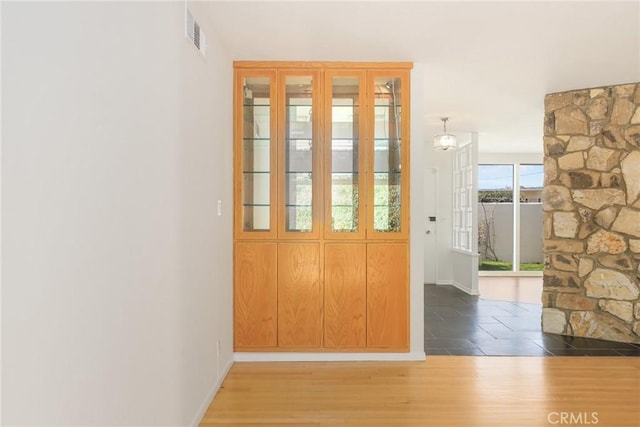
x=299 y=113
x=299 y=295
x=345 y=293
x=344 y=154
x=255 y=295
x=388 y=160
x=255 y=154
x=387 y=295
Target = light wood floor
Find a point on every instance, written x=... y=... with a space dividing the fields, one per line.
x=511 y=288
x=442 y=391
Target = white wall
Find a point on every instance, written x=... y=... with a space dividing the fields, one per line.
x=416 y=309
x=116 y=279
x=465 y=271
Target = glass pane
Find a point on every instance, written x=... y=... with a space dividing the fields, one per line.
x=531 y=182
x=387 y=155
x=298 y=154
x=344 y=154
x=495 y=217
x=463 y=199
x=256 y=137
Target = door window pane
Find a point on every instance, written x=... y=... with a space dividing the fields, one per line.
x=495 y=217
x=463 y=198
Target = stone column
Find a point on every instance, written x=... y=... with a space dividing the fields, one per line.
x=591 y=203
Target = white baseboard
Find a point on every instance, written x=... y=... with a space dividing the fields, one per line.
x=327 y=357
x=464 y=288
x=212 y=393
x=444 y=282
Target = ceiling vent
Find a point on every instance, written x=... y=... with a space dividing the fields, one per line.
x=195 y=33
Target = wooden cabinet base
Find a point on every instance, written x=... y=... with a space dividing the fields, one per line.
x=321 y=297
x=299 y=295
x=345 y=295
x=387 y=295
x=255 y=295
x=321 y=350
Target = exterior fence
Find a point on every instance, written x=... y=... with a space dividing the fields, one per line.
x=497 y=218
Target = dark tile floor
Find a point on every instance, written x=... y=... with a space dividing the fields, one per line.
x=461 y=324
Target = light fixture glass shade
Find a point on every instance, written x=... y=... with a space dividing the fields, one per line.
x=444 y=142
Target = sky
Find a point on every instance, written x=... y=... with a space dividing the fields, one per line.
x=495 y=177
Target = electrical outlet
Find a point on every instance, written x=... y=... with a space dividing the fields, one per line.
x=219 y=207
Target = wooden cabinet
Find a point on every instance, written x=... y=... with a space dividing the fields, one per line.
x=321 y=210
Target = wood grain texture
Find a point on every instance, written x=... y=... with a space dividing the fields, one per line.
x=442 y=391
x=387 y=295
x=299 y=295
x=344 y=295
x=255 y=295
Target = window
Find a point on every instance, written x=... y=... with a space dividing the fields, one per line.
x=463 y=199
x=530 y=254
x=510 y=217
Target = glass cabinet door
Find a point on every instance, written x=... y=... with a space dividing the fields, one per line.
x=344 y=157
x=388 y=181
x=256 y=160
x=299 y=156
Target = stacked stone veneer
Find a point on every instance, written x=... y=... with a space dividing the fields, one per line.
x=591 y=204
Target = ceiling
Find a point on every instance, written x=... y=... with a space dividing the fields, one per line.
x=485 y=65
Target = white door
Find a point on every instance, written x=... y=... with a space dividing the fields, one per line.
x=430 y=229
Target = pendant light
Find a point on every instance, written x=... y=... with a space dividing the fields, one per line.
x=445 y=141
